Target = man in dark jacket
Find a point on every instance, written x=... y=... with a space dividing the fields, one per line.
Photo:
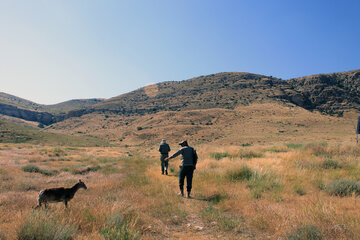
x=187 y=166
x=164 y=150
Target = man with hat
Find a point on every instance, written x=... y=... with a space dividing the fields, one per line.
x=164 y=150
x=187 y=166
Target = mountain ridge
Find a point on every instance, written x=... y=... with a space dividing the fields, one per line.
x=331 y=93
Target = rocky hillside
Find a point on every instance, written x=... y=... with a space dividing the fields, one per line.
x=45 y=114
x=328 y=93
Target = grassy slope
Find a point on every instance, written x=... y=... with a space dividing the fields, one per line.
x=18 y=133
x=254 y=124
x=293 y=157
x=286 y=190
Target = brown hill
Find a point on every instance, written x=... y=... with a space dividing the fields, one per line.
x=58 y=108
x=45 y=114
x=328 y=93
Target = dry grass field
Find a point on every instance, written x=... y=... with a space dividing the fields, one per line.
x=265 y=171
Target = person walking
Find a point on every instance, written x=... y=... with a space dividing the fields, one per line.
x=164 y=150
x=188 y=165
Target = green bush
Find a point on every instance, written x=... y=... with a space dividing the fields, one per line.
x=36 y=169
x=43 y=226
x=343 y=187
x=31 y=168
x=299 y=190
x=307 y=232
x=49 y=172
x=260 y=183
x=294 y=145
x=240 y=174
x=248 y=154
x=85 y=170
x=215 y=198
x=219 y=156
x=330 y=164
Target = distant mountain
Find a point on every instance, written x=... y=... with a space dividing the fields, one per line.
x=328 y=93
x=46 y=114
x=19 y=102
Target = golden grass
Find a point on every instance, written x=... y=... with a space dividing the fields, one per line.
x=148 y=201
x=287 y=191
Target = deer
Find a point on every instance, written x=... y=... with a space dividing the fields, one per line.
x=61 y=194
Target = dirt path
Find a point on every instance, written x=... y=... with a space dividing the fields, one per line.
x=193 y=227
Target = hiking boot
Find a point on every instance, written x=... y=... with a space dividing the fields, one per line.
x=188 y=195
x=181 y=193
x=166 y=172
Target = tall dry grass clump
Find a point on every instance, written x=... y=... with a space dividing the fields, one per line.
x=42 y=225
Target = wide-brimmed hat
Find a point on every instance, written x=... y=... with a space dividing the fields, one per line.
x=183 y=142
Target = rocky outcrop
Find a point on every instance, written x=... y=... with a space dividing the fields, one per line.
x=328 y=93
x=13 y=111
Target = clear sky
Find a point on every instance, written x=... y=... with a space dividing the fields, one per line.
x=53 y=51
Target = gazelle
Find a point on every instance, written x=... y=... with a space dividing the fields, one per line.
x=59 y=194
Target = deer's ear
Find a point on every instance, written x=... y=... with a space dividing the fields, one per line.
x=80 y=180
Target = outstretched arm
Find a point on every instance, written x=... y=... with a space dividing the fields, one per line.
x=174 y=155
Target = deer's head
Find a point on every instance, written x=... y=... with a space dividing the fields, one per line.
x=81 y=184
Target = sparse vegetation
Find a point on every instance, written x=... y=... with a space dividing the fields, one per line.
x=118 y=228
x=343 y=187
x=307 y=232
x=43 y=225
x=219 y=156
x=240 y=174
x=273 y=188
x=36 y=169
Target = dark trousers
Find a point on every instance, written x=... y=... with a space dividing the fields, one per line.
x=164 y=164
x=186 y=171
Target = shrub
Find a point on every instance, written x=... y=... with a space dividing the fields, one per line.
x=307 y=232
x=330 y=164
x=299 y=190
x=85 y=170
x=31 y=168
x=249 y=154
x=343 y=187
x=49 y=172
x=118 y=228
x=276 y=149
x=219 y=156
x=294 y=145
x=2 y=236
x=215 y=198
x=223 y=222
x=36 y=169
x=246 y=144
x=41 y=225
x=241 y=174
x=261 y=183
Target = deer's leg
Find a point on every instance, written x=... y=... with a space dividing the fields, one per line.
x=46 y=205
x=66 y=202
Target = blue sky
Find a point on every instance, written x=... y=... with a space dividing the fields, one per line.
x=53 y=51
